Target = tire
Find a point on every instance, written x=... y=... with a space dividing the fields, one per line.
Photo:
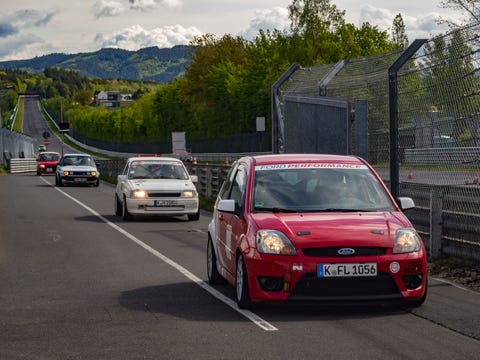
x=125 y=214
x=242 y=295
x=214 y=277
x=194 y=217
x=118 y=206
x=97 y=184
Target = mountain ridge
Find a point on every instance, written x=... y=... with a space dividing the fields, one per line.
x=153 y=64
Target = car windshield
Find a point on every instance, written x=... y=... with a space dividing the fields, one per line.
x=78 y=161
x=156 y=170
x=48 y=157
x=318 y=188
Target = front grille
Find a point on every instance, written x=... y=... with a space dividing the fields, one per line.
x=333 y=251
x=154 y=194
x=81 y=173
x=311 y=286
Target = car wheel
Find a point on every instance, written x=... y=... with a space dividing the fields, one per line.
x=97 y=184
x=241 y=285
x=118 y=206
x=214 y=277
x=194 y=217
x=38 y=174
x=125 y=214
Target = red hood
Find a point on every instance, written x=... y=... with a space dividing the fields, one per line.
x=330 y=229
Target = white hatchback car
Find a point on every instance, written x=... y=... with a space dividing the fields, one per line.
x=156 y=186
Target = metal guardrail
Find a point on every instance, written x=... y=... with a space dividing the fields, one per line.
x=442 y=156
x=22 y=165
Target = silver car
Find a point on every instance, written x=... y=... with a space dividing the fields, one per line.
x=77 y=169
x=156 y=186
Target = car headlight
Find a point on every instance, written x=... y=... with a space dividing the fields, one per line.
x=66 y=173
x=139 y=194
x=406 y=241
x=274 y=242
x=189 y=194
x=42 y=166
x=93 y=173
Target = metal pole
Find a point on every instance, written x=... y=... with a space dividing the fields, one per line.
x=393 y=112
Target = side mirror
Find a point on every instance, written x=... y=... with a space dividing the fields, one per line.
x=405 y=203
x=194 y=178
x=121 y=178
x=227 y=205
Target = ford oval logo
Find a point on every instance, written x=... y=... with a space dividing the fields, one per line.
x=346 y=251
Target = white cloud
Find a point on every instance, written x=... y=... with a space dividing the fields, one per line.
x=105 y=8
x=143 y=5
x=21 y=47
x=422 y=26
x=267 y=19
x=136 y=37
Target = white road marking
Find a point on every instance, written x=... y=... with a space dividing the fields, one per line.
x=257 y=320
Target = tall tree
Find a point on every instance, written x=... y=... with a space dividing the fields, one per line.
x=315 y=21
x=399 y=36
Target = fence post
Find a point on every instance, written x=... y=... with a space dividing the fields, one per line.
x=436 y=223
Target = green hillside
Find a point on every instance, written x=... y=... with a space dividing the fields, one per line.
x=148 y=64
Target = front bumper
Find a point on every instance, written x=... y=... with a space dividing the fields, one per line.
x=275 y=278
x=79 y=180
x=47 y=170
x=168 y=207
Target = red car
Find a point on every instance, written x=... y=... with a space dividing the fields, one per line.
x=47 y=162
x=310 y=227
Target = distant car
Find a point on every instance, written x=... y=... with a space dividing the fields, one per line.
x=318 y=228
x=77 y=169
x=42 y=148
x=156 y=186
x=47 y=163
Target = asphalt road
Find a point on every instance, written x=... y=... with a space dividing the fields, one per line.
x=34 y=125
x=76 y=282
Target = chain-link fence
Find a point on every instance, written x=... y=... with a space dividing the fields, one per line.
x=438 y=102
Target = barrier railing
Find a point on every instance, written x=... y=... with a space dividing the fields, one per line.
x=21 y=165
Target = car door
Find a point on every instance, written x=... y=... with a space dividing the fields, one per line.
x=231 y=224
x=121 y=179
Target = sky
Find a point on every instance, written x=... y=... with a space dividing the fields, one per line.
x=30 y=28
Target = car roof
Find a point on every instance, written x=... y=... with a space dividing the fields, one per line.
x=154 y=158
x=51 y=152
x=296 y=158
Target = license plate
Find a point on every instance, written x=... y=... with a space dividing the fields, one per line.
x=164 y=202
x=347 y=270
x=49 y=170
x=80 y=179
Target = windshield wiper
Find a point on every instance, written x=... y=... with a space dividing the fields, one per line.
x=275 y=209
x=340 y=210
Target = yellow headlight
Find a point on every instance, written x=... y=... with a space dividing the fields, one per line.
x=65 y=173
x=139 y=194
x=188 y=194
x=93 y=173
